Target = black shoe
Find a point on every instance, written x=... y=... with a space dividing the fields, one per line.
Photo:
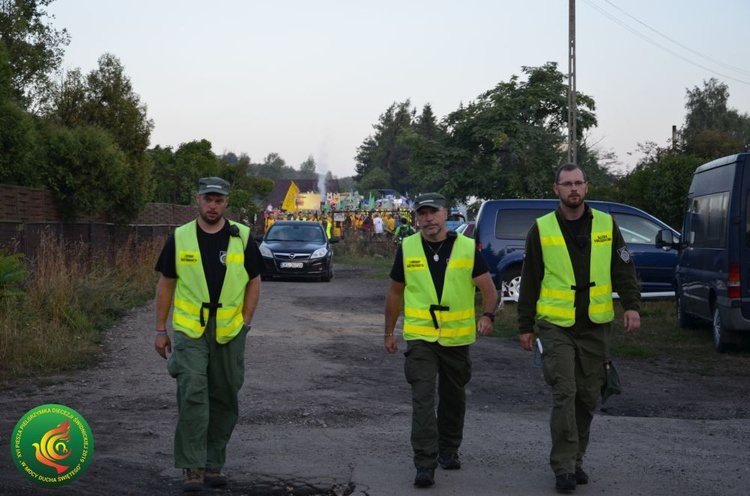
x=449 y=461
x=425 y=477
x=565 y=483
x=581 y=476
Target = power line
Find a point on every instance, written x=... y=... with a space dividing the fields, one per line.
x=696 y=52
x=659 y=45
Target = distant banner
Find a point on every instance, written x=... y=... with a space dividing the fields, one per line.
x=308 y=201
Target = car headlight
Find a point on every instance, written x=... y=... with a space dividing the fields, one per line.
x=265 y=251
x=319 y=253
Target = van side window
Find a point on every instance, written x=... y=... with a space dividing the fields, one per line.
x=636 y=229
x=515 y=224
x=708 y=223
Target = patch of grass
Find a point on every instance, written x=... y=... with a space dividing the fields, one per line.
x=660 y=338
x=68 y=298
x=377 y=255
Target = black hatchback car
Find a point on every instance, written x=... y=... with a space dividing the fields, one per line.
x=297 y=249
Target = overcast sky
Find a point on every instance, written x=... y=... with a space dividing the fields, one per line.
x=311 y=77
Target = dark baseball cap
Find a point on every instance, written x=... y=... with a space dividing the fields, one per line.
x=434 y=200
x=213 y=185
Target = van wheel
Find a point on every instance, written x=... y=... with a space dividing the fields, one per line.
x=721 y=335
x=512 y=283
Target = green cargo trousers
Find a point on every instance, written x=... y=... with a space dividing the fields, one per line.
x=431 y=434
x=209 y=376
x=574 y=367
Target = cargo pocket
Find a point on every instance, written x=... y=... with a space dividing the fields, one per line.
x=173 y=363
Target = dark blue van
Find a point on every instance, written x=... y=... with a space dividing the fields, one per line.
x=713 y=268
x=502 y=226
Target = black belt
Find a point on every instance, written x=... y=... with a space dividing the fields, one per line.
x=439 y=308
x=584 y=287
x=212 y=307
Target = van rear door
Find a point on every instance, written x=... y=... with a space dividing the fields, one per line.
x=744 y=238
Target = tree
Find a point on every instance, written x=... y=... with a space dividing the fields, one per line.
x=87 y=173
x=273 y=167
x=19 y=148
x=513 y=137
x=385 y=150
x=34 y=48
x=708 y=110
x=105 y=99
x=307 y=169
x=660 y=186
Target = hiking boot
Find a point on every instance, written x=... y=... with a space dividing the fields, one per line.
x=193 y=480
x=581 y=476
x=215 y=478
x=425 y=477
x=449 y=461
x=565 y=483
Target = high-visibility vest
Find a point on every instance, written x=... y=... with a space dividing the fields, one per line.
x=192 y=300
x=556 y=302
x=451 y=322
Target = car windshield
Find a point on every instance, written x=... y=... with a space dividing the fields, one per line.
x=306 y=234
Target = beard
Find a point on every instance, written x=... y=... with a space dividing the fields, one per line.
x=208 y=220
x=572 y=201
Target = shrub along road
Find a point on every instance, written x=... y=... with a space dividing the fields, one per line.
x=325 y=410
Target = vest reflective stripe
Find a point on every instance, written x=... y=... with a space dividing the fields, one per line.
x=556 y=302
x=456 y=326
x=192 y=290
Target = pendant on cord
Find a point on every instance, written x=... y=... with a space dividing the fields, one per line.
x=435 y=257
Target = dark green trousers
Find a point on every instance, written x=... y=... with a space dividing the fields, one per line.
x=209 y=376
x=448 y=368
x=574 y=367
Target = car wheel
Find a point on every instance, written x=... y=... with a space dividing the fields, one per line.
x=329 y=275
x=721 y=335
x=511 y=281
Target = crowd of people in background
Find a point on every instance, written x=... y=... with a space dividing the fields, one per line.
x=371 y=225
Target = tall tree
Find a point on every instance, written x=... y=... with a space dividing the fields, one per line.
x=35 y=49
x=19 y=150
x=513 y=136
x=307 y=169
x=105 y=99
x=708 y=111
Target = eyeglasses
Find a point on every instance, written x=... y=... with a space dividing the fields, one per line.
x=570 y=184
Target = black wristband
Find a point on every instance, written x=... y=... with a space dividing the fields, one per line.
x=489 y=315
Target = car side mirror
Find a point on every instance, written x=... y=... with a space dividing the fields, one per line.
x=665 y=239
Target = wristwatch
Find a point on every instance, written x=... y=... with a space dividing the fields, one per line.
x=490 y=315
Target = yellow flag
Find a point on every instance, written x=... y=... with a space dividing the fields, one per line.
x=290 y=200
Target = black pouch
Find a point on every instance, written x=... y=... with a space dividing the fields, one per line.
x=612 y=381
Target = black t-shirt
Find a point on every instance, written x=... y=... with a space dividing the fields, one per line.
x=213 y=248
x=437 y=268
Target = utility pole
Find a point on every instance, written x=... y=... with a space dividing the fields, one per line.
x=572 y=133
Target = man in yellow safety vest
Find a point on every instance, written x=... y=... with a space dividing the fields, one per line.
x=210 y=270
x=575 y=258
x=435 y=275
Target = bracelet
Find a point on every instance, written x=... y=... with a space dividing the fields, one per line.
x=388 y=334
x=161 y=332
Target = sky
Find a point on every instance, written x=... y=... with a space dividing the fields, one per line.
x=311 y=77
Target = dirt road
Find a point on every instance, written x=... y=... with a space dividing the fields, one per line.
x=325 y=410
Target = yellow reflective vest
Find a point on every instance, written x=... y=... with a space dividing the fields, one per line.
x=450 y=321
x=192 y=300
x=556 y=302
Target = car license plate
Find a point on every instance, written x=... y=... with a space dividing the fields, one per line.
x=291 y=265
